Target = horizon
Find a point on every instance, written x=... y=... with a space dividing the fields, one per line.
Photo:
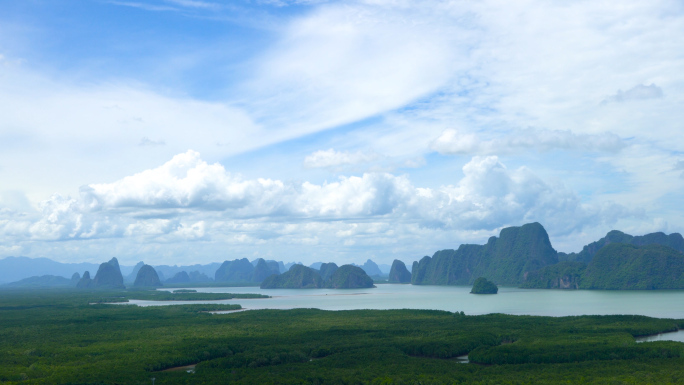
x=191 y=132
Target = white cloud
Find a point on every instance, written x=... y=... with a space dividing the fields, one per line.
x=455 y=143
x=332 y=158
x=164 y=204
x=638 y=92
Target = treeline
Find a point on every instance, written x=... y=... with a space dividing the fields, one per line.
x=58 y=337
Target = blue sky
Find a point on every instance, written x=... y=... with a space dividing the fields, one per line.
x=178 y=131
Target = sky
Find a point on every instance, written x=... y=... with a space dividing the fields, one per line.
x=197 y=131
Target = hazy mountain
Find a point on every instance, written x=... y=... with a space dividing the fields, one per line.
x=264 y=269
x=674 y=241
x=17 y=268
x=147 y=277
x=399 y=273
x=181 y=277
x=134 y=273
x=169 y=271
x=109 y=275
x=238 y=270
x=506 y=259
x=42 y=281
x=371 y=268
x=85 y=282
x=316 y=265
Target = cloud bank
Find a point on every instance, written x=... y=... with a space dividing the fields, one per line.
x=188 y=199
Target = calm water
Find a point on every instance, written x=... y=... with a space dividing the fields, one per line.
x=661 y=304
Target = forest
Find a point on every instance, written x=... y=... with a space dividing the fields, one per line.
x=67 y=337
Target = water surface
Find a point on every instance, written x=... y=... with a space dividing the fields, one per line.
x=653 y=303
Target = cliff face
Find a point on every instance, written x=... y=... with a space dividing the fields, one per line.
x=349 y=277
x=298 y=277
x=506 y=259
x=327 y=270
x=109 y=276
x=147 y=277
x=399 y=273
x=563 y=275
x=627 y=267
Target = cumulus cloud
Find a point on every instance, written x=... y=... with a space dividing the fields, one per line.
x=332 y=158
x=189 y=199
x=453 y=142
x=638 y=92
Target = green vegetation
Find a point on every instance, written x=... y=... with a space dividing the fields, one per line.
x=327 y=270
x=349 y=277
x=506 y=260
x=399 y=273
x=302 y=277
x=57 y=337
x=563 y=275
x=298 y=277
x=673 y=240
x=626 y=267
x=483 y=286
x=616 y=266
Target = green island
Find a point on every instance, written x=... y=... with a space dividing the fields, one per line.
x=484 y=286
x=59 y=336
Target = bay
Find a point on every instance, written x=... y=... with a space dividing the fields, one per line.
x=510 y=300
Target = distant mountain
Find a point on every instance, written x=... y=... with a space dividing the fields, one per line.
x=147 y=277
x=316 y=265
x=626 y=267
x=42 y=281
x=349 y=277
x=238 y=270
x=185 y=277
x=371 y=268
x=506 y=260
x=109 y=275
x=674 y=241
x=181 y=277
x=16 y=268
x=399 y=273
x=298 y=277
x=85 y=282
x=169 y=271
x=264 y=269
x=384 y=268
x=288 y=265
x=327 y=270
x=130 y=278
